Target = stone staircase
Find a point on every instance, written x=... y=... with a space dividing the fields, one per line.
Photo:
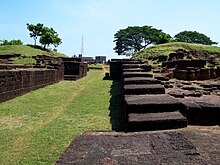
x=146 y=106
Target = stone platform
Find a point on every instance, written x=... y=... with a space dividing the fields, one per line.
x=192 y=145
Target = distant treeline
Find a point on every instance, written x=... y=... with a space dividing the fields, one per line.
x=136 y=38
x=11 y=42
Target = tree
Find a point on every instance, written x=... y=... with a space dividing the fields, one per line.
x=164 y=38
x=49 y=36
x=35 y=31
x=12 y=42
x=193 y=37
x=134 y=39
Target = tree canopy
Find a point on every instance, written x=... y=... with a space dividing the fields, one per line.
x=193 y=37
x=47 y=35
x=135 y=38
x=35 y=31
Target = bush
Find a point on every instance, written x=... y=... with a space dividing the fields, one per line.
x=12 y=42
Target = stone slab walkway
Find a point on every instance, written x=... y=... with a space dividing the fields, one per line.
x=192 y=145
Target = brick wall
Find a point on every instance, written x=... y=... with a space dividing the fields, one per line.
x=74 y=70
x=17 y=82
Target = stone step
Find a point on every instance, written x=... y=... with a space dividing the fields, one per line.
x=144 y=89
x=133 y=70
x=141 y=80
x=136 y=74
x=155 y=121
x=151 y=103
x=127 y=61
x=137 y=65
x=71 y=77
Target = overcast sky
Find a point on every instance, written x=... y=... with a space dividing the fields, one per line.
x=99 y=20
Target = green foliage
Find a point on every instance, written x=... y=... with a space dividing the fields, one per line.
x=35 y=31
x=12 y=42
x=36 y=128
x=47 y=35
x=134 y=39
x=193 y=37
x=164 y=38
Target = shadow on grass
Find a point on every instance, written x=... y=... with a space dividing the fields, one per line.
x=116 y=106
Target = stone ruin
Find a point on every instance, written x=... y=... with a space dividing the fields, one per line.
x=189 y=69
x=16 y=80
x=74 y=68
x=150 y=103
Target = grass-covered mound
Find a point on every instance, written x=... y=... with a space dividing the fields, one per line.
x=27 y=52
x=196 y=50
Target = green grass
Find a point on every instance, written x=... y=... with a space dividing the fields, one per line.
x=37 y=128
x=197 y=50
x=26 y=50
x=95 y=66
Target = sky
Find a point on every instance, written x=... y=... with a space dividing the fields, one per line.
x=98 y=20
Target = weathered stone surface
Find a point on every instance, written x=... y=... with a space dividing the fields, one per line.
x=141 y=80
x=144 y=89
x=168 y=86
x=161 y=78
x=136 y=74
x=183 y=64
x=138 y=65
x=192 y=111
x=155 y=121
x=193 y=93
x=204 y=74
x=142 y=148
x=180 y=74
x=133 y=70
x=14 y=83
x=152 y=103
x=189 y=87
x=116 y=66
x=177 y=93
x=206 y=140
x=204 y=110
x=116 y=70
x=127 y=61
x=75 y=69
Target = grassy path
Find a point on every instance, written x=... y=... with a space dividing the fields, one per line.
x=36 y=128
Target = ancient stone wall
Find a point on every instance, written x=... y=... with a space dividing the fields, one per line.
x=75 y=70
x=17 y=82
